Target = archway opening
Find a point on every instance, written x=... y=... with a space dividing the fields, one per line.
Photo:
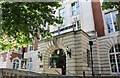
x=58 y=60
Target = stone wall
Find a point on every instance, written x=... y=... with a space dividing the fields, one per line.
x=16 y=73
x=105 y=44
x=77 y=41
x=8 y=73
x=96 y=57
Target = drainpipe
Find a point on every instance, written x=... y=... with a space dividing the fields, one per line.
x=91 y=43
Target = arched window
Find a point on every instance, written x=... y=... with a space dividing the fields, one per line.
x=16 y=64
x=29 y=64
x=115 y=58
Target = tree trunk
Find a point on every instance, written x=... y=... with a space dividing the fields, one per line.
x=22 y=59
x=23 y=51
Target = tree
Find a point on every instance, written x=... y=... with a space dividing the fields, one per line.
x=22 y=20
x=111 y=5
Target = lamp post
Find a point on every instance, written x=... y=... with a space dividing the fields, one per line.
x=91 y=43
x=68 y=51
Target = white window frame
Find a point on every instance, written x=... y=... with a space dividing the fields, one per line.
x=75 y=9
x=30 y=47
x=62 y=13
x=15 y=61
x=29 y=64
x=112 y=21
x=116 y=63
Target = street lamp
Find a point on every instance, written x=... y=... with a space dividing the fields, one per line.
x=68 y=51
x=91 y=43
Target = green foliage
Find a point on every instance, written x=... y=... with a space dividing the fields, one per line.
x=22 y=20
x=111 y=5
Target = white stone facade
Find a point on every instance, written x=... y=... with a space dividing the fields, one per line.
x=85 y=14
x=78 y=41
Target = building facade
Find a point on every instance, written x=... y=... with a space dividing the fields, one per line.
x=68 y=52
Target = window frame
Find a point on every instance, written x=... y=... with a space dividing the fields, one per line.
x=115 y=53
x=29 y=63
x=29 y=48
x=15 y=62
x=75 y=8
x=62 y=12
x=111 y=21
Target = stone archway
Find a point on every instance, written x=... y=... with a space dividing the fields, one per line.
x=58 y=60
x=52 y=46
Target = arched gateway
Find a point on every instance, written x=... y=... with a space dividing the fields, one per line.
x=58 y=60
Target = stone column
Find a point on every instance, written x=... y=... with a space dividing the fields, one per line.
x=96 y=57
x=69 y=41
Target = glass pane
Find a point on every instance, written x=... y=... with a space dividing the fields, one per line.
x=111 y=27
x=17 y=65
x=119 y=66
x=114 y=15
x=77 y=4
x=62 y=12
x=112 y=50
x=116 y=48
x=118 y=61
x=73 y=8
x=112 y=59
x=108 y=18
x=77 y=8
x=116 y=26
x=118 y=58
x=31 y=48
x=78 y=24
x=13 y=65
x=113 y=67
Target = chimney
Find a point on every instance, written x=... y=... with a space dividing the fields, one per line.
x=98 y=18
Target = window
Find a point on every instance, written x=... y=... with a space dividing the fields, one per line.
x=111 y=21
x=31 y=48
x=16 y=64
x=29 y=64
x=18 y=49
x=62 y=12
x=88 y=57
x=115 y=58
x=78 y=25
x=75 y=8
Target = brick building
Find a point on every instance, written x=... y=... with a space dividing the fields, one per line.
x=68 y=52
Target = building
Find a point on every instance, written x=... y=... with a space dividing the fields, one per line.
x=68 y=52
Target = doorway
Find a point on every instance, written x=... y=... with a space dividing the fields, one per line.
x=58 y=60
